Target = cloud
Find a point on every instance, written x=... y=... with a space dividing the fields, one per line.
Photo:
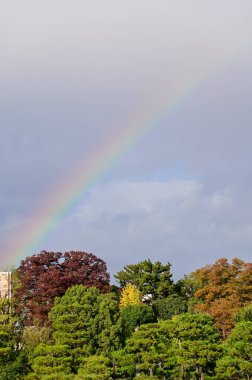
x=175 y=221
x=72 y=75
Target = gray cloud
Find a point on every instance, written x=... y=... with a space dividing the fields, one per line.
x=73 y=74
x=169 y=221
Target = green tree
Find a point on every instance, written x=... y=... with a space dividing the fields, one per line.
x=87 y=321
x=152 y=279
x=50 y=362
x=167 y=307
x=186 y=288
x=237 y=360
x=134 y=316
x=194 y=346
x=244 y=314
x=13 y=362
x=33 y=336
x=72 y=319
x=94 y=368
x=108 y=325
x=6 y=348
x=13 y=359
x=123 y=364
x=148 y=347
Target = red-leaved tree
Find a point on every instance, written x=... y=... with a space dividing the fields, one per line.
x=48 y=274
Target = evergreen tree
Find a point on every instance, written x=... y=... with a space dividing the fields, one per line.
x=237 y=360
x=94 y=368
x=194 y=346
x=50 y=362
x=152 y=279
x=167 y=307
x=108 y=324
x=147 y=347
x=134 y=316
x=87 y=322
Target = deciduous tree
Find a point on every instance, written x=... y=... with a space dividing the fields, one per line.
x=223 y=288
x=48 y=274
x=130 y=296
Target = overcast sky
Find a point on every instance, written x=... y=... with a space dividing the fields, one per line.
x=72 y=73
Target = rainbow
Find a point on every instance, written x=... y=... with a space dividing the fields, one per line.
x=67 y=195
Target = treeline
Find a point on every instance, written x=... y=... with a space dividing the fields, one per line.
x=65 y=321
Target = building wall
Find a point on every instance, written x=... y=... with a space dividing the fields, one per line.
x=5 y=284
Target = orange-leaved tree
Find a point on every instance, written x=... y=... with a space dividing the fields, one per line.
x=223 y=288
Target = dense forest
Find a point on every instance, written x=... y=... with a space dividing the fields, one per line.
x=65 y=321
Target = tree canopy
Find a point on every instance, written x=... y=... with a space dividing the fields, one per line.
x=49 y=274
x=58 y=326
x=236 y=362
x=87 y=322
x=223 y=288
x=150 y=278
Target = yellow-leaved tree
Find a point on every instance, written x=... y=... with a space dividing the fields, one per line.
x=130 y=296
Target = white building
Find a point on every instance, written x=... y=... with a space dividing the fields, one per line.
x=5 y=284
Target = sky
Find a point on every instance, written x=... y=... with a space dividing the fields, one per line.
x=158 y=94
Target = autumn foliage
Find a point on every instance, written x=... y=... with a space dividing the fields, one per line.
x=223 y=288
x=49 y=274
x=53 y=327
x=130 y=296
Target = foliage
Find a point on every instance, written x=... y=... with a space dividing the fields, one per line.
x=223 y=289
x=72 y=319
x=244 y=314
x=9 y=340
x=108 y=325
x=147 y=348
x=123 y=364
x=13 y=361
x=5 y=347
x=135 y=316
x=49 y=274
x=95 y=368
x=33 y=336
x=50 y=361
x=130 y=296
x=152 y=279
x=186 y=347
x=237 y=360
x=87 y=321
x=166 y=308
x=14 y=369
x=89 y=335
x=194 y=346
x=186 y=288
